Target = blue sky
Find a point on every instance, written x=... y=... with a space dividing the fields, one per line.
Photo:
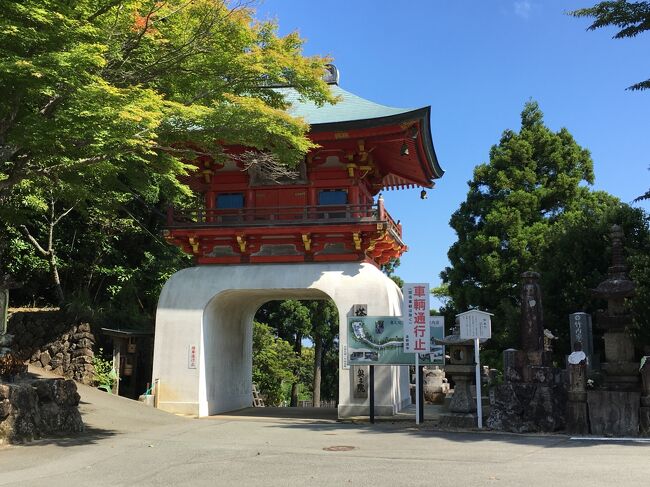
x=476 y=63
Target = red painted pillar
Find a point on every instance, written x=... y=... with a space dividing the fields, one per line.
x=353 y=202
x=210 y=204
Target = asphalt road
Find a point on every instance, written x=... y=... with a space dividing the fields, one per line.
x=127 y=443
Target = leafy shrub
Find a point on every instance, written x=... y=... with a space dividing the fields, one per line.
x=105 y=376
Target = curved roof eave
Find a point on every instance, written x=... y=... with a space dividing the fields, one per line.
x=420 y=114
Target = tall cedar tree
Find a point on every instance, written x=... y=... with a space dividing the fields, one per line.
x=528 y=208
x=503 y=226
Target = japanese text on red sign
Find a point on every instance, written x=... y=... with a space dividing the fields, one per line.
x=416 y=311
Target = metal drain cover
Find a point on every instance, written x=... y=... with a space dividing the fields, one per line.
x=339 y=448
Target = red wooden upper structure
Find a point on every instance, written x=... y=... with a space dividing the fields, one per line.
x=328 y=212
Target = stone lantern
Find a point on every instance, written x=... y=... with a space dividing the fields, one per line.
x=461 y=368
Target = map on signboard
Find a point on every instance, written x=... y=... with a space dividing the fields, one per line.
x=379 y=340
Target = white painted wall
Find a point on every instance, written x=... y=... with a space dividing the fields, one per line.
x=212 y=307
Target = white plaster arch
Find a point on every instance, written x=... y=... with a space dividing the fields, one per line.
x=212 y=309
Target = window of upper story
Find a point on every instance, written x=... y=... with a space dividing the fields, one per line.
x=332 y=197
x=226 y=201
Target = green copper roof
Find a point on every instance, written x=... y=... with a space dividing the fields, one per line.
x=353 y=112
x=350 y=107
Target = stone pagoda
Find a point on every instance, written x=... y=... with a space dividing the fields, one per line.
x=614 y=410
x=621 y=370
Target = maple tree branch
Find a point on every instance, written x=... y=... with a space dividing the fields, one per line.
x=23 y=229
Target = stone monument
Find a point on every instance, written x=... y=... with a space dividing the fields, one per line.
x=532 y=397
x=577 y=421
x=581 y=330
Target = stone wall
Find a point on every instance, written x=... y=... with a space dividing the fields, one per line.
x=48 y=338
x=527 y=408
x=32 y=409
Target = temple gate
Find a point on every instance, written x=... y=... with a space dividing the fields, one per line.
x=321 y=234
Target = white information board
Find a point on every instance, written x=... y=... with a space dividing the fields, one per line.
x=475 y=324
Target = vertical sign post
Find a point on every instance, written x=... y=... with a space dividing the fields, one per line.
x=421 y=392
x=418 y=416
x=474 y=325
x=417 y=334
x=371 y=399
x=479 y=397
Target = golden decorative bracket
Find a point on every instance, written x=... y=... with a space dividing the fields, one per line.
x=241 y=240
x=357 y=241
x=195 y=244
x=306 y=241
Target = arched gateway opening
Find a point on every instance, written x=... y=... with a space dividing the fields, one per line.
x=203 y=343
x=228 y=328
x=296 y=358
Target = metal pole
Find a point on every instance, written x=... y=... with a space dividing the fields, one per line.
x=421 y=393
x=417 y=388
x=371 y=385
x=479 y=402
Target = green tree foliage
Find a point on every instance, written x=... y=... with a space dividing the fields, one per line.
x=105 y=376
x=528 y=209
x=324 y=330
x=273 y=363
x=292 y=321
x=632 y=18
x=316 y=320
x=99 y=89
x=103 y=105
x=389 y=269
x=112 y=265
x=577 y=257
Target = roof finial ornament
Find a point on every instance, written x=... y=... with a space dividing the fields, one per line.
x=331 y=76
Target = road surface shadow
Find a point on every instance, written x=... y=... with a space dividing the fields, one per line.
x=89 y=436
x=550 y=440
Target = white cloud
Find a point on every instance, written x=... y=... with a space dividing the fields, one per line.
x=523 y=8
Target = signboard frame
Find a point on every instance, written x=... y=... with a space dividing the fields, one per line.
x=374 y=331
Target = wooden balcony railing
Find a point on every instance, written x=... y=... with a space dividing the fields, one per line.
x=281 y=216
